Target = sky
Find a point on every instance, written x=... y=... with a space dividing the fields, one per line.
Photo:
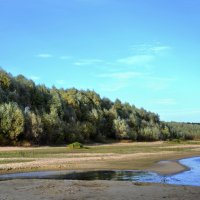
x=145 y=52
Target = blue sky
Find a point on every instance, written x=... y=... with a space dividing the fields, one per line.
x=145 y=52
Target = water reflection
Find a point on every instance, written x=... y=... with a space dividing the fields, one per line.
x=107 y=175
x=189 y=177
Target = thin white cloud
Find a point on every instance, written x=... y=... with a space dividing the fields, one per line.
x=137 y=60
x=157 y=49
x=150 y=48
x=84 y=62
x=166 y=101
x=158 y=83
x=34 y=78
x=44 y=55
x=120 y=75
x=145 y=54
x=60 y=82
x=180 y=112
x=157 y=86
x=114 y=87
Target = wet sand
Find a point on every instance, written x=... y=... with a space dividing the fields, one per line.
x=91 y=161
x=167 y=167
x=161 y=167
x=117 y=156
x=96 y=190
x=93 y=190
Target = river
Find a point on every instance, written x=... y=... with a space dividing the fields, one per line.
x=188 y=177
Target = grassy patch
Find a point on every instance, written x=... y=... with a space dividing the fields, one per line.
x=176 y=141
x=14 y=161
x=127 y=148
x=36 y=153
x=100 y=160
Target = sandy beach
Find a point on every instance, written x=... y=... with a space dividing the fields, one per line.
x=167 y=167
x=97 y=190
x=82 y=161
x=93 y=190
x=158 y=157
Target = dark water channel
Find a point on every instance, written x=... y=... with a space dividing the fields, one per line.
x=189 y=177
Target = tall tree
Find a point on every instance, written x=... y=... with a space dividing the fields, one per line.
x=11 y=121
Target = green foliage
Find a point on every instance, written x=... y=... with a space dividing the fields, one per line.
x=121 y=129
x=11 y=121
x=75 y=145
x=35 y=114
x=4 y=79
x=132 y=134
x=165 y=133
x=53 y=128
x=33 y=127
x=151 y=133
x=185 y=131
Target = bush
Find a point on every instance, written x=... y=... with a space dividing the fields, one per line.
x=25 y=143
x=75 y=145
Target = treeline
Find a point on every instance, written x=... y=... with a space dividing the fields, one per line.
x=185 y=131
x=40 y=115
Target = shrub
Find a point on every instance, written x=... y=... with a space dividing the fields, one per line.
x=75 y=145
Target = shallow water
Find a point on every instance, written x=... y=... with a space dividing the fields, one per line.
x=189 y=177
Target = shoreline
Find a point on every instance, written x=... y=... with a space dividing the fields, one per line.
x=169 y=167
x=160 y=157
x=163 y=167
x=164 y=162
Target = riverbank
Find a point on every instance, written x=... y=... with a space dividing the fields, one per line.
x=120 y=156
x=160 y=157
x=167 y=167
x=93 y=190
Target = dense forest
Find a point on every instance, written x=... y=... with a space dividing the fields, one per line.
x=39 y=115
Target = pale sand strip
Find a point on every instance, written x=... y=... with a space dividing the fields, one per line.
x=63 y=162
x=167 y=167
x=93 y=190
